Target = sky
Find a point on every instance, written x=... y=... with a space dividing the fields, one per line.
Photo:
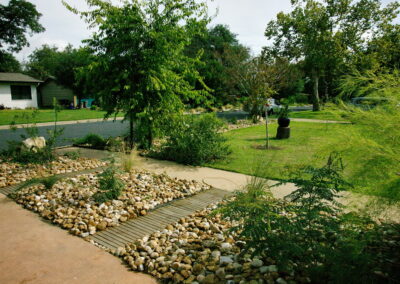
x=246 y=18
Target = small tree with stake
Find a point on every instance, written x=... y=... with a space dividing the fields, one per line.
x=139 y=66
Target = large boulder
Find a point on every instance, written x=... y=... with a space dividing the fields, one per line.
x=33 y=144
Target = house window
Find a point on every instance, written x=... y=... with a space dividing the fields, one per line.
x=21 y=93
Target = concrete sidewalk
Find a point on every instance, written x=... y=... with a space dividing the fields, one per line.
x=319 y=121
x=221 y=179
x=33 y=251
x=60 y=123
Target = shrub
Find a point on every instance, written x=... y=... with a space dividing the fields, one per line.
x=308 y=231
x=74 y=155
x=110 y=185
x=233 y=120
x=115 y=144
x=298 y=99
x=373 y=140
x=93 y=140
x=16 y=151
x=291 y=230
x=194 y=140
x=259 y=219
x=17 y=154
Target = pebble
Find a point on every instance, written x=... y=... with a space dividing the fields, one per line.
x=271 y=268
x=281 y=281
x=226 y=247
x=257 y=263
x=220 y=272
x=225 y=260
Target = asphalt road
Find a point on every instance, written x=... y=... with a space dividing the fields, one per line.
x=103 y=128
x=71 y=131
x=77 y=130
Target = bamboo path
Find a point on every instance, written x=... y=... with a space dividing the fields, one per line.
x=157 y=219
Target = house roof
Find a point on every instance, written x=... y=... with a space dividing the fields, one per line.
x=17 y=77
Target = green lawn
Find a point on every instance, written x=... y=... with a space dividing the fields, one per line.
x=47 y=115
x=308 y=140
x=309 y=144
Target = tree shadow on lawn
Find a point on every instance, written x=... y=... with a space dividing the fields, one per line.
x=263 y=147
x=263 y=139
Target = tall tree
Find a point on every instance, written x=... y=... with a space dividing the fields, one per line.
x=49 y=61
x=8 y=63
x=383 y=51
x=325 y=34
x=139 y=66
x=16 y=19
x=69 y=63
x=255 y=80
x=215 y=43
x=43 y=62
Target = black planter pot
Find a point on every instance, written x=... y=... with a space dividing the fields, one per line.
x=283 y=122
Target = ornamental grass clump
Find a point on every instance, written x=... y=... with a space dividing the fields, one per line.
x=48 y=182
x=92 y=140
x=128 y=161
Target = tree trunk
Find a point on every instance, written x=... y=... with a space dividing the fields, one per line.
x=316 y=103
x=150 y=134
x=326 y=91
x=266 y=129
x=131 y=138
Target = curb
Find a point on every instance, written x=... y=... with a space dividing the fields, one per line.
x=6 y=127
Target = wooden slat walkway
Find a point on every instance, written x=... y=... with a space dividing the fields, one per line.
x=10 y=189
x=156 y=220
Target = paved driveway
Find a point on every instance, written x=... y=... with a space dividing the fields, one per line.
x=33 y=251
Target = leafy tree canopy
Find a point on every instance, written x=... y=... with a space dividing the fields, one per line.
x=8 y=63
x=326 y=34
x=140 y=67
x=16 y=19
x=383 y=51
x=42 y=62
x=48 y=61
x=218 y=45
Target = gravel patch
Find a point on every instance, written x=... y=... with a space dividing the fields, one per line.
x=14 y=173
x=200 y=249
x=70 y=203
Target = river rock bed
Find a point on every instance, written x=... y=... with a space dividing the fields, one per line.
x=14 y=173
x=197 y=249
x=245 y=123
x=70 y=204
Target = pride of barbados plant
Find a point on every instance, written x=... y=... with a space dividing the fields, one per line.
x=292 y=229
x=110 y=185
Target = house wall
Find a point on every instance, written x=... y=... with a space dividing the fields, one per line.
x=5 y=98
x=50 y=90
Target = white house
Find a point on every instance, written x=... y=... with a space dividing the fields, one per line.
x=18 y=90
